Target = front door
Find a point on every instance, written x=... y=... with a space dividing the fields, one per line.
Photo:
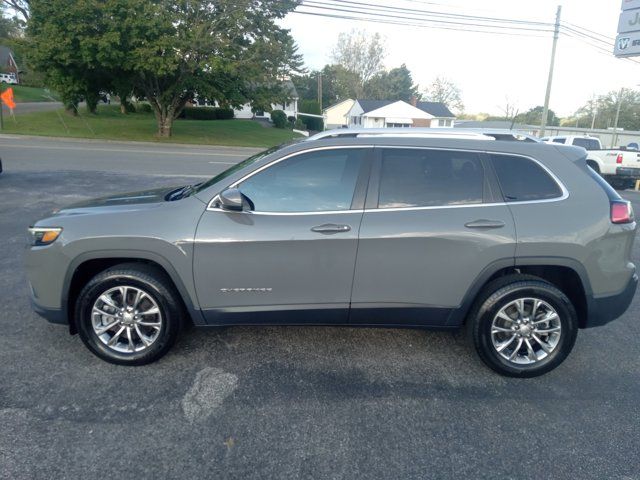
x=291 y=258
x=432 y=224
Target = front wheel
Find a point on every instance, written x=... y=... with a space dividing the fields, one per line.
x=129 y=314
x=523 y=326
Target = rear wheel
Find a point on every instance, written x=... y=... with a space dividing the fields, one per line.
x=523 y=326
x=129 y=314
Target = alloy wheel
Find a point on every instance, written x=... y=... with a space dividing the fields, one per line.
x=526 y=331
x=126 y=319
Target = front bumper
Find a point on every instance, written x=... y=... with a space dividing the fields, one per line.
x=50 y=314
x=603 y=310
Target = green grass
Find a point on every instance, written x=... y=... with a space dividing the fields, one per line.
x=110 y=124
x=30 y=94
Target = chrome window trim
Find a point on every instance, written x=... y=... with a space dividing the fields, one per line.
x=323 y=212
x=235 y=184
x=563 y=189
x=564 y=196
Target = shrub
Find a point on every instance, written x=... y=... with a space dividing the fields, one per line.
x=207 y=113
x=312 y=123
x=143 y=108
x=299 y=125
x=279 y=119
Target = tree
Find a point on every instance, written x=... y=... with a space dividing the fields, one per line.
x=336 y=85
x=604 y=108
x=20 y=7
x=534 y=117
x=63 y=43
x=445 y=91
x=168 y=50
x=396 y=84
x=10 y=28
x=362 y=55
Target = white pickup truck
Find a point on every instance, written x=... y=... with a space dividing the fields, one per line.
x=619 y=166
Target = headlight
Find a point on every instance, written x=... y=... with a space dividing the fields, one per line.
x=44 y=235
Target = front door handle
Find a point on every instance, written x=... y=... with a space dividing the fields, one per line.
x=331 y=228
x=485 y=224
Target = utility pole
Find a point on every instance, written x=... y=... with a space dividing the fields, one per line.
x=320 y=90
x=545 y=110
x=615 y=124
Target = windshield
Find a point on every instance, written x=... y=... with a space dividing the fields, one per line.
x=239 y=166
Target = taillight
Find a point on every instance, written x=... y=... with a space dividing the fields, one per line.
x=619 y=158
x=621 y=212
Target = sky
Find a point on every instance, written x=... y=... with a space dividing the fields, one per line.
x=491 y=70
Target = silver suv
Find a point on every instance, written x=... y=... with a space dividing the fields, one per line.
x=520 y=243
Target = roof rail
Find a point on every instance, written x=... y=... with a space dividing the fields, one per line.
x=399 y=132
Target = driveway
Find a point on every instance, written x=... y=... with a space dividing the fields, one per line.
x=287 y=402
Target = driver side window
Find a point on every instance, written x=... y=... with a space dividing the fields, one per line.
x=317 y=181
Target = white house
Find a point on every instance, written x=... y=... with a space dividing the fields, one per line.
x=386 y=113
x=290 y=107
x=335 y=116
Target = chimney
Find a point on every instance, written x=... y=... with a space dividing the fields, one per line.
x=414 y=101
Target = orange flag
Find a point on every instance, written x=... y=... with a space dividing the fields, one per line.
x=7 y=98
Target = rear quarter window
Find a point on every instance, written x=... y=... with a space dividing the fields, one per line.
x=522 y=179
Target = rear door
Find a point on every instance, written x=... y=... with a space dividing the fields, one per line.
x=433 y=224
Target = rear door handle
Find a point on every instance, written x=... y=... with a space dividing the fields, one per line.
x=331 y=228
x=485 y=224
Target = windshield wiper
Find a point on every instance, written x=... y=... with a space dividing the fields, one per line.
x=179 y=193
x=182 y=192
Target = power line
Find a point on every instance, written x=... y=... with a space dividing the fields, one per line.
x=608 y=43
x=412 y=11
x=325 y=6
x=357 y=10
x=611 y=39
x=409 y=24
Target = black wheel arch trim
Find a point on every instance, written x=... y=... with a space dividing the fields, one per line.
x=129 y=255
x=458 y=315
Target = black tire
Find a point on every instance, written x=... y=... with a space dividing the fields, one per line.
x=500 y=293
x=154 y=283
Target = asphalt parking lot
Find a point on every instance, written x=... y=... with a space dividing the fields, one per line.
x=290 y=402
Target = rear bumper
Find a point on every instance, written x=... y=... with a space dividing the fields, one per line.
x=603 y=310
x=627 y=173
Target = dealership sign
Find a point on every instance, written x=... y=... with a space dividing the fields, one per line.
x=627 y=45
x=629 y=21
x=630 y=4
x=628 y=39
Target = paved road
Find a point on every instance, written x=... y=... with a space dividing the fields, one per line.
x=290 y=402
x=21 y=153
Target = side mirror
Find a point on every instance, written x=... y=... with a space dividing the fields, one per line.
x=233 y=200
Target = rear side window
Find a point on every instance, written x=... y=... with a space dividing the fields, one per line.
x=522 y=179
x=587 y=143
x=429 y=178
x=559 y=140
